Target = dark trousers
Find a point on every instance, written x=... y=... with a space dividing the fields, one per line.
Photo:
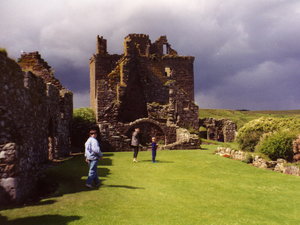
x=135 y=151
x=153 y=155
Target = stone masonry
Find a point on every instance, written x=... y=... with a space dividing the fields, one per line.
x=148 y=86
x=296 y=149
x=223 y=130
x=35 y=115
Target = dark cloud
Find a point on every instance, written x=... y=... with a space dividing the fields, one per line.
x=247 y=52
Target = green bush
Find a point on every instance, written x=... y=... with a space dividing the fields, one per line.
x=86 y=114
x=277 y=145
x=3 y=51
x=83 y=120
x=250 y=134
x=202 y=129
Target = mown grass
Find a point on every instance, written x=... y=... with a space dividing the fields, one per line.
x=242 y=117
x=184 y=188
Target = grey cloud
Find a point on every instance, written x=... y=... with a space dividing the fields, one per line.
x=247 y=52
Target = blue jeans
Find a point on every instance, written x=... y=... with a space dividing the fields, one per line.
x=153 y=155
x=93 y=176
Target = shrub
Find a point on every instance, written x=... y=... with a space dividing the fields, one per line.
x=277 y=145
x=250 y=134
x=3 y=51
x=86 y=114
x=83 y=120
x=202 y=129
x=248 y=143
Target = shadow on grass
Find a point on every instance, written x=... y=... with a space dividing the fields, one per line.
x=105 y=154
x=69 y=175
x=105 y=162
x=62 y=178
x=40 y=220
x=123 y=186
x=158 y=161
x=34 y=203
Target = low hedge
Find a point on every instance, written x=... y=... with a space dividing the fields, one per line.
x=277 y=145
x=250 y=134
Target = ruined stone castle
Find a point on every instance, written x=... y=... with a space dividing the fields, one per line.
x=35 y=115
x=148 y=86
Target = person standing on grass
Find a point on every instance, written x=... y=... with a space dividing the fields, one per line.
x=92 y=155
x=154 y=148
x=135 y=142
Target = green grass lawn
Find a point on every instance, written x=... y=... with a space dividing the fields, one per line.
x=184 y=188
x=242 y=117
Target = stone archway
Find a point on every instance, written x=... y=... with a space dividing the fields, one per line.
x=149 y=128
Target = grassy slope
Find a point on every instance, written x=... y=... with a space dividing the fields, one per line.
x=242 y=117
x=183 y=188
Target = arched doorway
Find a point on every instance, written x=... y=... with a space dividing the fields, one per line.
x=148 y=129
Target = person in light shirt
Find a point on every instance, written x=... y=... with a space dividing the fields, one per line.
x=92 y=155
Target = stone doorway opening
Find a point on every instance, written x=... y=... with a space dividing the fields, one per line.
x=148 y=130
x=51 y=141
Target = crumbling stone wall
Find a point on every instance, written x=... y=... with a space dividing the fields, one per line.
x=296 y=149
x=34 y=125
x=223 y=130
x=296 y=145
x=60 y=103
x=148 y=81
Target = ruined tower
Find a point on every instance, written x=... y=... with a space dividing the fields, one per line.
x=148 y=86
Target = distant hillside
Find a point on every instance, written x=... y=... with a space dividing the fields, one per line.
x=242 y=117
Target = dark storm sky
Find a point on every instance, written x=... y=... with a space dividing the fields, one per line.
x=247 y=51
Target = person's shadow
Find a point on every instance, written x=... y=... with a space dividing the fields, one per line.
x=73 y=175
x=40 y=220
x=157 y=161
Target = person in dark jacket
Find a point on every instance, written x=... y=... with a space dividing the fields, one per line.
x=135 y=142
x=154 y=148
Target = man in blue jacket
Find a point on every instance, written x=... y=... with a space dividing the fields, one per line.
x=92 y=155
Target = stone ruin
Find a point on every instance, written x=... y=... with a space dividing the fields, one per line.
x=35 y=115
x=222 y=130
x=296 y=149
x=148 y=86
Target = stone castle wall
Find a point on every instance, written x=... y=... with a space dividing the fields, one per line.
x=34 y=126
x=223 y=130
